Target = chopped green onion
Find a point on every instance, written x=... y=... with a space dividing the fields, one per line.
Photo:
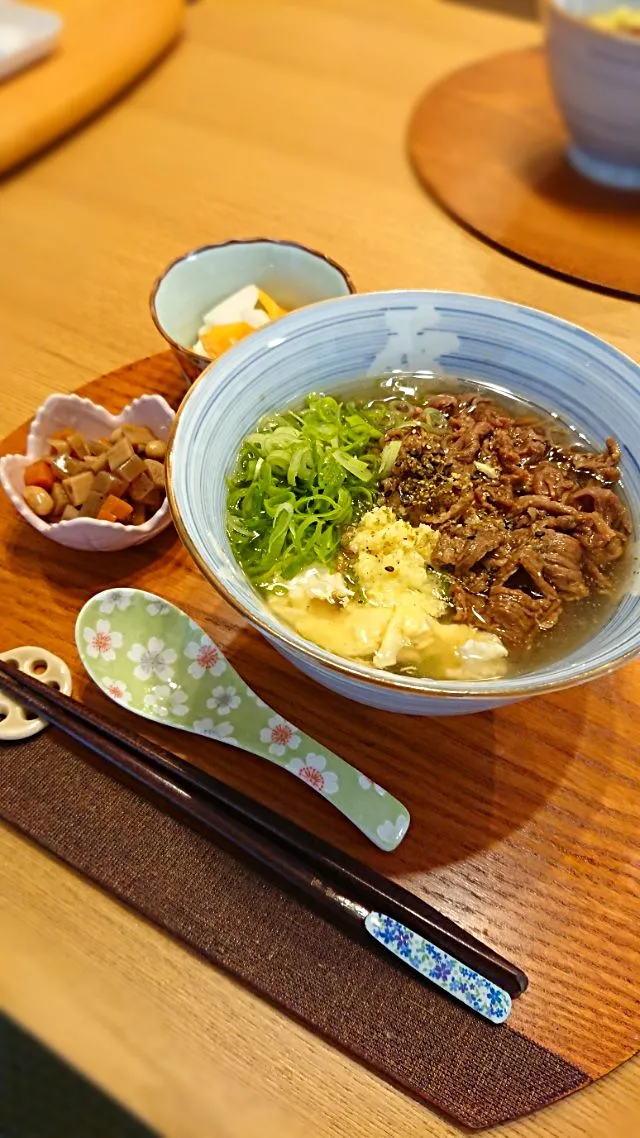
x=389 y=456
x=300 y=478
x=434 y=419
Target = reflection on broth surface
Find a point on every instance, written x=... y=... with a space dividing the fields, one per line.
x=431 y=526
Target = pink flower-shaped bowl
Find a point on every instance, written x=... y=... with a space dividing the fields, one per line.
x=93 y=421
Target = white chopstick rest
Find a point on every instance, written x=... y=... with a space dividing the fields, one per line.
x=455 y=978
x=15 y=723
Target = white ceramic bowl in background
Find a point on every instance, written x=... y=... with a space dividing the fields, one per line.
x=28 y=34
x=554 y=364
x=292 y=274
x=93 y=421
x=596 y=78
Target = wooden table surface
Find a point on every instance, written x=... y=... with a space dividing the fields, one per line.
x=269 y=118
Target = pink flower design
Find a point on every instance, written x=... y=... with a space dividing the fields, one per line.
x=280 y=735
x=314 y=777
x=312 y=771
x=206 y=657
x=117 y=689
x=101 y=641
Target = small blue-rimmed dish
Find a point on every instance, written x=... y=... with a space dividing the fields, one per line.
x=595 y=74
x=557 y=366
x=190 y=286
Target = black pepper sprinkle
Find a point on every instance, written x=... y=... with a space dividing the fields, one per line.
x=389 y=568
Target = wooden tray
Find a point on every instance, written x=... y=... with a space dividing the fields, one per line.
x=488 y=143
x=525 y=820
x=104 y=45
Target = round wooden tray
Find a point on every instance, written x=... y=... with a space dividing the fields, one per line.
x=525 y=821
x=488 y=143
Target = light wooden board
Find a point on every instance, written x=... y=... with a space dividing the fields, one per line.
x=489 y=144
x=104 y=45
x=182 y=160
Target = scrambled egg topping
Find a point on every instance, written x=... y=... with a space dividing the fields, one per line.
x=398 y=620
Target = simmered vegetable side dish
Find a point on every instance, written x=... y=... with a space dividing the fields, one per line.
x=115 y=479
x=450 y=535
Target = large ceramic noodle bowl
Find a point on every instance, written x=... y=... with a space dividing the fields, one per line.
x=556 y=366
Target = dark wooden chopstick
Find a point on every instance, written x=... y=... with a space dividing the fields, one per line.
x=327 y=876
x=188 y=802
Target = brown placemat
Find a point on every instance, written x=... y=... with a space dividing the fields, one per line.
x=57 y=793
x=489 y=144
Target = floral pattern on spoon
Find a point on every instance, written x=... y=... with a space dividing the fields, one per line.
x=150 y=657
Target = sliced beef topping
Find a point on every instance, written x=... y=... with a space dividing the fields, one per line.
x=525 y=524
x=596 y=499
x=561 y=558
x=448 y=404
x=549 y=480
x=602 y=466
x=510 y=613
x=515 y=445
x=460 y=548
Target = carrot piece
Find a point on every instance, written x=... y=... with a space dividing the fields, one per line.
x=39 y=474
x=218 y=338
x=273 y=310
x=115 y=509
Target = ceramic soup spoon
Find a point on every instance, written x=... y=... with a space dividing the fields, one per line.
x=151 y=658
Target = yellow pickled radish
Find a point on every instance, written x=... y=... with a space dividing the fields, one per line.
x=271 y=307
x=220 y=337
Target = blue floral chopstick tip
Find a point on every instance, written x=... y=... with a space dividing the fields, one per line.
x=455 y=978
